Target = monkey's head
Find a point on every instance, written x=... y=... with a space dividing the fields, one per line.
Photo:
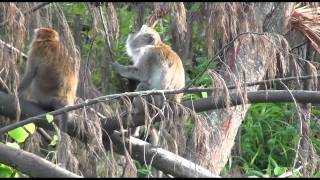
x=45 y=34
x=146 y=36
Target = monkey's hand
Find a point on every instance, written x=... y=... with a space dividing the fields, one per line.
x=115 y=66
x=130 y=72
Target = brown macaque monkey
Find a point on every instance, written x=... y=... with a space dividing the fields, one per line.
x=155 y=66
x=51 y=75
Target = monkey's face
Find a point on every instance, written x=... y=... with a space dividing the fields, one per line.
x=144 y=37
x=42 y=34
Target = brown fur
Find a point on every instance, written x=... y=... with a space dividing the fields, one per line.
x=156 y=65
x=55 y=75
x=175 y=68
x=52 y=76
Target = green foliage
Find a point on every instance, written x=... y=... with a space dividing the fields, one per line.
x=200 y=65
x=269 y=138
x=18 y=134
x=6 y=171
x=204 y=80
x=142 y=170
x=266 y=136
x=49 y=118
x=31 y=128
x=54 y=140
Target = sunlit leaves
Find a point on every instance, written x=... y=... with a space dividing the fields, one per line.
x=18 y=134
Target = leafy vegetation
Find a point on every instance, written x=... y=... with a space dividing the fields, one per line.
x=269 y=137
x=269 y=133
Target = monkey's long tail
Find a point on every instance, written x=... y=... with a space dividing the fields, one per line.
x=63 y=142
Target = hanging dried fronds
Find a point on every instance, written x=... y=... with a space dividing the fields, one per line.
x=306 y=19
x=181 y=21
x=112 y=21
x=216 y=29
x=160 y=10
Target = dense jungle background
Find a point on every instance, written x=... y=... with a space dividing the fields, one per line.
x=251 y=110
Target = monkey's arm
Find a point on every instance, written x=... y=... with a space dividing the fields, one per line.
x=28 y=77
x=141 y=71
x=130 y=72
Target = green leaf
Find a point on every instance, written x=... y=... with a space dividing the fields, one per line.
x=49 y=118
x=273 y=162
x=5 y=171
x=54 y=140
x=13 y=145
x=255 y=173
x=30 y=127
x=317 y=175
x=16 y=175
x=204 y=94
x=279 y=170
x=195 y=7
x=18 y=134
x=79 y=9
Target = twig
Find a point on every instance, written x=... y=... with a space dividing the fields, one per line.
x=10 y=47
x=46 y=136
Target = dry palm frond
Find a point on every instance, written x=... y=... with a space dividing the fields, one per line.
x=181 y=17
x=306 y=19
x=113 y=21
x=162 y=9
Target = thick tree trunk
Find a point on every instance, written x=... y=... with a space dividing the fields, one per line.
x=250 y=55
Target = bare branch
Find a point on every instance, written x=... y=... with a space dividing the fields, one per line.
x=30 y=109
x=31 y=164
x=161 y=159
x=11 y=48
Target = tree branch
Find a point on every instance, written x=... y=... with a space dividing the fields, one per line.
x=11 y=48
x=31 y=164
x=28 y=109
x=7 y=108
x=162 y=160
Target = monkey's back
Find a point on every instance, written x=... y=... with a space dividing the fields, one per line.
x=174 y=75
x=57 y=72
